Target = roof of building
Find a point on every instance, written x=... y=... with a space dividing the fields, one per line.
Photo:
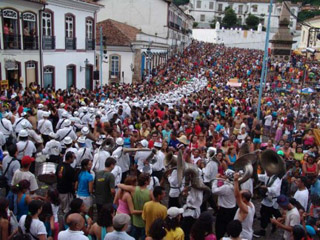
x=316 y=18
x=117 y=33
x=245 y=1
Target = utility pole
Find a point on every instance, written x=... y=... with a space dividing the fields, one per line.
x=101 y=53
x=265 y=59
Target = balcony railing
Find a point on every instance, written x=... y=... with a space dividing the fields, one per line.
x=30 y=42
x=90 y=44
x=48 y=42
x=171 y=24
x=71 y=43
x=12 y=41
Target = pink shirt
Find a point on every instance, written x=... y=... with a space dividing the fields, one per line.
x=123 y=207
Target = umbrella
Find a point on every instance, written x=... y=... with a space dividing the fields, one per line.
x=307 y=90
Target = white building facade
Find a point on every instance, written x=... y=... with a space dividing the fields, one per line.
x=52 y=44
x=206 y=12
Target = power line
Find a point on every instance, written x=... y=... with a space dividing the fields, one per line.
x=296 y=17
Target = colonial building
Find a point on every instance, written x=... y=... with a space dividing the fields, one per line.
x=206 y=12
x=163 y=29
x=309 y=35
x=49 y=42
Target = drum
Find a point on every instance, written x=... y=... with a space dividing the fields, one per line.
x=46 y=172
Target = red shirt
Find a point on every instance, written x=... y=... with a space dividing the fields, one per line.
x=197 y=129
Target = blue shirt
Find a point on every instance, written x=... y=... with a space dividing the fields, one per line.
x=219 y=127
x=83 y=183
x=166 y=135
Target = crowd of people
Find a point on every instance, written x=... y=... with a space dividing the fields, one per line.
x=118 y=153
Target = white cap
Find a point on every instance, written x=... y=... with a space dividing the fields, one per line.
x=40 y=106
x=67 y=123
x=62 y=105
x=76 y=114
x=67 y=140
x=5 y=114
x=23 y=114
x=82 y=139
x=119 y=141
x=173 y=212
x=91 y=110
x=25 y=124
x=23 y=133
x=144 y=143
x=85 y=131
x=53 y=135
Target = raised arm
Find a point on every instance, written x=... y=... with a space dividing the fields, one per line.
x=243 y=207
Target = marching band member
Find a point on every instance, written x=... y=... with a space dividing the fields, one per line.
x=45 y=127
x=53 y=149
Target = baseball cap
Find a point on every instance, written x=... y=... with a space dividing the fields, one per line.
x=174 y=212
x=27 y=160
x=283 y=200
x=120 y=220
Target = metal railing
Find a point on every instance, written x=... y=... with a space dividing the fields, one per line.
x=71 y=43
x=48 y=42
x=30 y=42
x=90 y=44
x=12 y=41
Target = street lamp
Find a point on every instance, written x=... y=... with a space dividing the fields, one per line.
x=86 y=63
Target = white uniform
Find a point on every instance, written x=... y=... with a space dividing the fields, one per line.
x=60 y=123
x=34 y=136
x=99 y=160
x=154 y=182
x=83 y=153
x=117 y=173
x=174 y=191
x=123 y=160
x=226 y=198
x=6 y=127
x=74 y=150
x=17 y=126
x=193 y=203
x=52 y=147
x=66 y=132
x=85 y=119
x=140 y=157
x=25 y=148
x=45 y=126
x=2 y=139
x=159 y=164
x=210 y=171
x=273 y=191
x=39 y=114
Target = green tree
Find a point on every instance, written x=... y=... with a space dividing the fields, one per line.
x=230 y=18
x=252 y=21
x=180 y=2
x=195 y=25
x=306 y=14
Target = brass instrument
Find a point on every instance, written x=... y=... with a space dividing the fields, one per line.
x=108 y=144
x=272 y=163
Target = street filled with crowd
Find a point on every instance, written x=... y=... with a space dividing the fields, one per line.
x=160 y=159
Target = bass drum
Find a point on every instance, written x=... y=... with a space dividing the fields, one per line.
x=46 y=172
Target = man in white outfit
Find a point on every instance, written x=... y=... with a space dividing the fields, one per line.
x=83 y=151
x=19 y=122
x=45 y=127
x=302 y=194
x=67 y=131
x=6 y=126
x=25 y=146
x=53 y=149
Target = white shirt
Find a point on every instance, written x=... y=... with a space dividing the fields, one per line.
x=45 y=126
x=14 y=166
x=71 y=235
x=292 y=219
x=99 y=160
x=273 y=191
x=302 y=196
x=34 y=136
x=117 y=173
x=154 y=181
x=140 y=157
x=2 y=139
x=83 y=153
x=37 y=227
x=193 y=203
x=174 y=185
x=18 y=124
x=52 y=147
x=248 y=185
x=61 y=124
x=6 y=127
x=159 y=164
x=247 y=231
x=268 y=120
x=39 y=114
x=123 y=160
x=66 y=132
x=74 y=150
x=210 y=171
x=225 y=194
x=21 y=175
x=25 y=148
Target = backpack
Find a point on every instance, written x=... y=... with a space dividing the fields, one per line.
x=21 y=236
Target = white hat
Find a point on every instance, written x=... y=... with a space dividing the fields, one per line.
x=65 y=114
x=67 y=123
x=67 y=140
x=53 y=135
x=85 y=130
x=173 y=212
x=5 y=114
x=40 y=106
x=144 y=143
x=85 y=109
x=23 y=114
x=119 y=141
x=76 y=114
x=62 y=105
x=23 y=133
x=46 y=114
x=158 y=144
x=25 y=124
x=91 y=110
x=82 y=139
